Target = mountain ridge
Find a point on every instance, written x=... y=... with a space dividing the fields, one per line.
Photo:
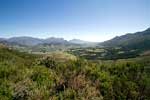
x=78 y=41
x=32 y=41
x=131 y=40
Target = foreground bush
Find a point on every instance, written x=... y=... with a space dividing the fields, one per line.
x=73 y=80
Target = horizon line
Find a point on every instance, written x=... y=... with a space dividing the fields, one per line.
x=17 y=36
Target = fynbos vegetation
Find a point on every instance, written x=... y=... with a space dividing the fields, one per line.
x=30 y=77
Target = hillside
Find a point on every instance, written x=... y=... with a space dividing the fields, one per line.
x=31 y=77
x=138 y=40
x=30 y=41
x=78 y=41
x=14 y=56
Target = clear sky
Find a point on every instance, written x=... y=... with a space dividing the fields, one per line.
x=92 y=20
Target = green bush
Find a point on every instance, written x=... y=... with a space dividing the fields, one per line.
x=22 y=78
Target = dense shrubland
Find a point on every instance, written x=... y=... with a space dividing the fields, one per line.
x=28 y=77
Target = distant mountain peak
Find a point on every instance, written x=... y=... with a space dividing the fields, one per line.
x=78 y=41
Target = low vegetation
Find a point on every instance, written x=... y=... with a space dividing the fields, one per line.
x=36 y=77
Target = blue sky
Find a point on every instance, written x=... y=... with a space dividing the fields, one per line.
x=92 y=20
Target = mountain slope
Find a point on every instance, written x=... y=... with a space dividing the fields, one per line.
x=53 y=40
x=138 y=40
x=29 y=41
x=78 y=41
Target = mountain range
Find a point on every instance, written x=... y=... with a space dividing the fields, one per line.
x=138 y=40
x=130 y=40
x=30 y=41
x=78 y=41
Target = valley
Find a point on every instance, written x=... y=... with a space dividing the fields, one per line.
x=74 y=49
x=68 y=71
